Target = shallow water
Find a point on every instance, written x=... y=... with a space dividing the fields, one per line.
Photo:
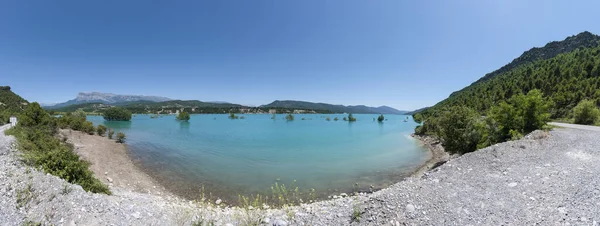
x=228 y=157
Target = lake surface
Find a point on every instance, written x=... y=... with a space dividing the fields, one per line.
x=224 y=157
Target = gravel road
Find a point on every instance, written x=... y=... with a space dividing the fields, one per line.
x=544 y=179
x=575 y=126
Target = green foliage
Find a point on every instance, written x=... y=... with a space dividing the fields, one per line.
x=351 y=118
x=380 y=118
x=335 y=119
x=233 y=116
x=101 y=130
x=110 y=133
x=459 y=129
x=586 y=112
x=79 y=114
x=44 y=150
x=10 y=104
x=120 y=137
x=565 y=80
x=117 y=114
x=183 y=116
x=289 y=117
x=463 y=129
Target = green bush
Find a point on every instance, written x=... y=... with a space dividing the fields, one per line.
x=233 y=116
x=380 y=118
x=117 y=114
x=101 y=130
x=111 y=133
x=79 y=114
x=183 y=116
x=88 y=127
x=120 y=137
x=460 y=129
x=351 y=118
x=586 y=112
x=289 y=117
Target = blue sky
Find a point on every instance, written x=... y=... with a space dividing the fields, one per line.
x=404 y=54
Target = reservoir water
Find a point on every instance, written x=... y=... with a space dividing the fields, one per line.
x=224 y=157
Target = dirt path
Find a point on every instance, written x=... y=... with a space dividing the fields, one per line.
x=111 y=164
x=575 y=126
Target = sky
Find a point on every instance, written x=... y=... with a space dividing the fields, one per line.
x=403 y=54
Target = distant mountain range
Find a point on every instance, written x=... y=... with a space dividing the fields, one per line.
x=107 y=98
x=359 y=109
x=96 y=100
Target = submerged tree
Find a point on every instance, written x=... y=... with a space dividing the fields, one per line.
x=380 y=118
x=117 y=114
x=289 y=117
x=183 y=116
x=351 y=118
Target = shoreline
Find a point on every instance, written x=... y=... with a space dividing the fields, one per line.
x=438 y=155
x=111 y=164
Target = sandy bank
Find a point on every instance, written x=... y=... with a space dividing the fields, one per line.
x=111 y=164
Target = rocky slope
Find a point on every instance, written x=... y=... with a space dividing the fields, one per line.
x=545 y=178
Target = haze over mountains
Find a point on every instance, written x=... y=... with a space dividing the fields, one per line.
x=84 y=99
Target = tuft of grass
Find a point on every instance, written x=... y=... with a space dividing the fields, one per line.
x=356 y=214
x=24 y=196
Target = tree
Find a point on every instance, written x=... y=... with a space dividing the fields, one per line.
x=79 y=114
x=101 y=130
x=380 y=118
x=120 y=137
x=459 y=129
x=289 y=117
x=183 y=116
x=117 y=114
x=233 y=116
x=351 y=118
x=586 y=112
x=88 y=127
x=34 y=115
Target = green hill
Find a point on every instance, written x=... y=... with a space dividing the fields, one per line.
x=10 y=104
x=358 y=109
x=567 y=72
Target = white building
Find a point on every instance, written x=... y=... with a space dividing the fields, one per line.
x=13 y=120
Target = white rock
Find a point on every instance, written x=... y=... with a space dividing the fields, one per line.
x=513 y=184
x=110 y=180
x=343 y=194
x=410 y=208
x=218 y=201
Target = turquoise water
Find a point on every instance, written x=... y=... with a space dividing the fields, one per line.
x=246 y=156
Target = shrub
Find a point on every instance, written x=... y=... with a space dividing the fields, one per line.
x=110 y=133
x=351 y=118
x=79 y=114
x=335 y=119
x=101 y=130
x=459 y=129
x=88 y=127
x=586 y=112
x=380 y=118
x=120 y=137
x=183 y=116
x=345 y=119
x=328 y=119
x=117 y=114
x=233 y=116
x=289 y=117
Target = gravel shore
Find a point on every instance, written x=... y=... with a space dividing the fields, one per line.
x=545 y=178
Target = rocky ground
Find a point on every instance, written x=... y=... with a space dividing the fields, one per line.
x=546 y=179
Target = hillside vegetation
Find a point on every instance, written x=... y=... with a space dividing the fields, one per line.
x=10 y=104
x=561 y=75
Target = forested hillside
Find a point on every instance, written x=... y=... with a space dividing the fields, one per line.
x=565 y=79
x=542 y=84
x=10 y=104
